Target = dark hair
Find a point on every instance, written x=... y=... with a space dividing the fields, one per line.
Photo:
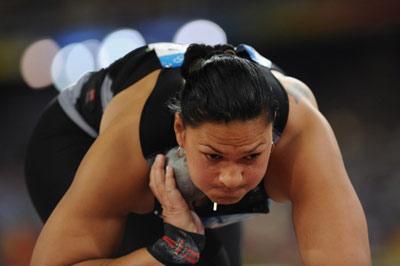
x=222 y=87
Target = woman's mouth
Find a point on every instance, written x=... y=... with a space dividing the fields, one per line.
x=227 y=196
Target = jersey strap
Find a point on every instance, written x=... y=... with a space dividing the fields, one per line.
x=253 y=55
x=171 y=55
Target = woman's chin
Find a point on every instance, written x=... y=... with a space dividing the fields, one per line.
x=225 y=198
x=227 y=201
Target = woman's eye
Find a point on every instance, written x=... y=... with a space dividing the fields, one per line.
x=213 y=157
x=251 y=157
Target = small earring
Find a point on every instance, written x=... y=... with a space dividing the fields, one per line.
x=215 y=205
x=180 y=152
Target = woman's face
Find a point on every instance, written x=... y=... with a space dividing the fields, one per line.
x=226 y=161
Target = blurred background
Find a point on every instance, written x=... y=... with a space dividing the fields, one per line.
x=348 y=52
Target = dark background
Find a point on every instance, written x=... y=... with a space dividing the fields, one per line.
x=346 y=51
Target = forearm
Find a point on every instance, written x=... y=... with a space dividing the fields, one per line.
x=318 y=257
x=340 y=240
x=332 y=235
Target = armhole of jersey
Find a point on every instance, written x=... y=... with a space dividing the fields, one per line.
x=282 y=111
x=157 y=133
x=131 y=68
x=251 y=53
x=170 y=55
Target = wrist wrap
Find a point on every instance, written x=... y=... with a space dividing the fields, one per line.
x=178 y=246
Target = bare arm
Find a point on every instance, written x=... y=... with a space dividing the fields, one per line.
x=307 y=168
x=329 y=220
x=87 y=225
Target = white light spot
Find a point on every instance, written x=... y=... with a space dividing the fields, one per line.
x=36 y=63
x=71 y=63
x=200 y=31
x=94 y=46
x=117 y=44
x=79 y=62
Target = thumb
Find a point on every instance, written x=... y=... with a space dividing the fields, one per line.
x=197 y=221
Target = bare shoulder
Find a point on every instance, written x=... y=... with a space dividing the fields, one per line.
x=129 y=101
x=110 y=183
x=307 y=169
x=115 y=161
x=115 y=167
x=303 y=110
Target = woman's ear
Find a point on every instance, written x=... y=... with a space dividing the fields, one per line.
x=179 y=129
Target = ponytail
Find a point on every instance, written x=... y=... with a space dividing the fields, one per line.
x=221 y=86
x=196 y=56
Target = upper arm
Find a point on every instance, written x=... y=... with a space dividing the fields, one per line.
x=88 y=222
x=329 y=220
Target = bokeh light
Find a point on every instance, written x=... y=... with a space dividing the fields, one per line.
x=93 y=46
x=70 y=63
x=79 y=61
x=200 y=31
x=36 y=63
x=117 y=44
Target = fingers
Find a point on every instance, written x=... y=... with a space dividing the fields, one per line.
x=173 y=194
x=198 y=223
x=157 y=178
x=162 y=183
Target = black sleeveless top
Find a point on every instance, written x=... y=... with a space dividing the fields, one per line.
x=156 y=125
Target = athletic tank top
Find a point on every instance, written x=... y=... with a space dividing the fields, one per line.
x=85 y=102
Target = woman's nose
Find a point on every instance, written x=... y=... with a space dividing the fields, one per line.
x=231 y=178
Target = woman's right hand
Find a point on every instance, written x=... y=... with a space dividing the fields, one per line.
x=175 y=209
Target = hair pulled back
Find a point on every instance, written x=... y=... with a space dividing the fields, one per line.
x=222 y=87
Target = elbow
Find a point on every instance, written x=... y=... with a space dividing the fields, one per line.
x=358 y=260
x=363 y=258
x=352 y=257
x=40 y=259
x=42 y=256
